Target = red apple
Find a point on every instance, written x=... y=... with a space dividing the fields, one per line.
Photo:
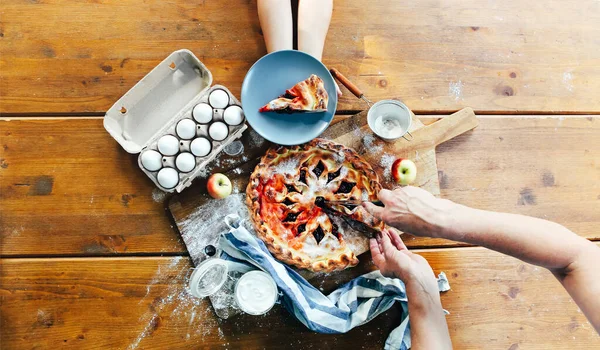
x=404 y=171
x=218 y=186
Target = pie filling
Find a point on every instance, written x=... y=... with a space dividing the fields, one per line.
x=296 y=201
x=287 y=192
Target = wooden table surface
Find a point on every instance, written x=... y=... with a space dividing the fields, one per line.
x=90 y=258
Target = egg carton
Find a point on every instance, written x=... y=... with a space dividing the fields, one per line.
x=176 y=121
x=176 y=162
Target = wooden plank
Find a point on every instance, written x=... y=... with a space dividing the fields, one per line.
x=512 y=56
x=66 y=186
x=495 y=302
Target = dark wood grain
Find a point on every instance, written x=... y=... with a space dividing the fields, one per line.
x=66 y=186
x=495 y=302
x=504 y=56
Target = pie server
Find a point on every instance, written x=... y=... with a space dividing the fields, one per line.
x=357 y=225
x=353 y=204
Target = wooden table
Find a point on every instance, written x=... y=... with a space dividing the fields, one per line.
x=90 y=258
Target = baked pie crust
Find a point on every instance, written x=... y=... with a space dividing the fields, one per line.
x=281 y=198
x=307 y=96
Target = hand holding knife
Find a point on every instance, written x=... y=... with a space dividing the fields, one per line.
x=329 y=207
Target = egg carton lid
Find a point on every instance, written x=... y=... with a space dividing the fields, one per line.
x=150 y=105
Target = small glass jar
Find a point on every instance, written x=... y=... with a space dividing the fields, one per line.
x=233 y=287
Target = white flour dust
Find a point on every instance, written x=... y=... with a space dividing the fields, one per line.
x=167 y=298
x=369 y=142
x=287 y=167
x=158 y=196
x=568 y=80
x=218 y=162
x=339 y=157
x=455 y=89
x=204 y=225
x=255 y=139
x=386 y=163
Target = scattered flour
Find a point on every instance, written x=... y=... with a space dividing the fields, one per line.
x=171 y=282
x=205 y=172
x=287 y=167
x=365 y=196
x=236 y=189
x=370 y=146
x=204 y=225
x=219 y=162
x=255 y=139
x=455 y=89
x=16 y=231
x=339 y=157
x=158 y=196
x=386 y=163
x=568 y=80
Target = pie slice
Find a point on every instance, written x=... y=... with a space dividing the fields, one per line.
x=281 y=198
x=356 y=216
x=306 y=96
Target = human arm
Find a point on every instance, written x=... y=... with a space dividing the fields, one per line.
x=574 y=260
x=428 y=328
x=276 y=23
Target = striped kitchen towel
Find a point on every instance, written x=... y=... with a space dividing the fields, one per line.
x=353 y=304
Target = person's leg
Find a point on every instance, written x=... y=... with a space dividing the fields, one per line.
x=313 y=22
x=276 y=22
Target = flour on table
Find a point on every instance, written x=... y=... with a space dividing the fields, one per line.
x=171 y=283
x=370 y=146
x=386 y=163
x=158 y=196
x=255 y=139
x=455 y=89
x=204 y=172
x=204 y=226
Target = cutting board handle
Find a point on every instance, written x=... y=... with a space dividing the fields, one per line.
x=450 y=126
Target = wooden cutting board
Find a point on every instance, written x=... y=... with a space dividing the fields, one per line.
x=199 y=217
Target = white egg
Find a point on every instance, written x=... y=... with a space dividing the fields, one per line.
x=168 y=145
x=200 y=147
x=151 y=160
x=218 y=131
x=203 y=113
x=218 y=98
x=186 y=129
x=185 y=162
x=233 y=115
x=168 y=177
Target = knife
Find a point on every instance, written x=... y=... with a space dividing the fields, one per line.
x=351 y=204
x=357 y=225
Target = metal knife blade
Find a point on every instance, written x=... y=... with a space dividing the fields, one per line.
x=352 y=204
x=357 y=225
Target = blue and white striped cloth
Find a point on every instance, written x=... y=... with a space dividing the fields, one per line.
x=353 y=304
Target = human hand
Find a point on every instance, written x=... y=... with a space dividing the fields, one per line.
x=393 y=259
x=428 y=324
x=413 y=210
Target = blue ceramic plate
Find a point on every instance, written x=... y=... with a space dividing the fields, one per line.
x=268 y=79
